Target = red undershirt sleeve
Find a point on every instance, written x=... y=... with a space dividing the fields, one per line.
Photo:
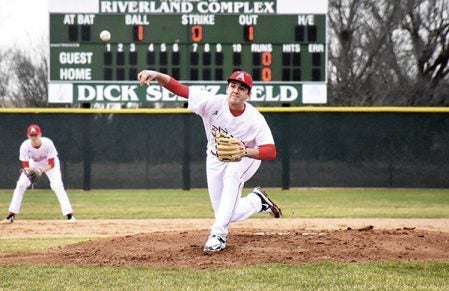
x=51 y=162
x=267 y=152
x=177 y=88
x=26 y=164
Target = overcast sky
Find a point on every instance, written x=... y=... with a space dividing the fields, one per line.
x=23 y=23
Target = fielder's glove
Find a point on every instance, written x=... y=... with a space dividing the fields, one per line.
x=228 y=148
x=33 y=174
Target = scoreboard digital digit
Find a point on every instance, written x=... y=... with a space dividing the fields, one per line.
x=282 y=43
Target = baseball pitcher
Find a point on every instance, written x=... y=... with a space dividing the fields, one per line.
x=238 y=138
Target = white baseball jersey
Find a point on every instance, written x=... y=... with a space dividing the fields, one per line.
x=250 y=127
x=226 y=180
x=39 y=155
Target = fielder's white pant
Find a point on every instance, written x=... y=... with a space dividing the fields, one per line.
x=54 y=175
x=225 y=183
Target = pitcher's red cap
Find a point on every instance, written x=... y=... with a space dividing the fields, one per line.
x=242 y=77
x=34 y=129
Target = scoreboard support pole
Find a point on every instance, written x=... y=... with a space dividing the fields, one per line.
x=186 y=152
x=285 y=148
x=87 y=151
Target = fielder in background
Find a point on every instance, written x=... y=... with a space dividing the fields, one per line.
x=238 y=138
x=38 y=155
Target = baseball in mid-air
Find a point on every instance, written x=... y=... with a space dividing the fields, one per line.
x=105 y=36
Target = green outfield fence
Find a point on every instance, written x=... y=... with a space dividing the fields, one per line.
x=165 y=148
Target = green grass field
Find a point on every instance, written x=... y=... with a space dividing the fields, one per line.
x=297 y=203
x=391 y=275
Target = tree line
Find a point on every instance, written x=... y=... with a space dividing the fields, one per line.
x=380 y=53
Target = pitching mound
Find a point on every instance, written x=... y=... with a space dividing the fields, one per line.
x=246 y=247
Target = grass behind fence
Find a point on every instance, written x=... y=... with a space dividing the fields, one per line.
x=296 y=203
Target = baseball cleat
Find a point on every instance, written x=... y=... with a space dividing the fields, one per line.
x=214 y=244
x=267 y=204
x=71 y=218
x=10 y=218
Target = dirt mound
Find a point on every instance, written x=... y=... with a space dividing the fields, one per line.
x=246 y=247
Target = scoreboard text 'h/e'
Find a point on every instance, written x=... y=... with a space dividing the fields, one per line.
x=282 y=43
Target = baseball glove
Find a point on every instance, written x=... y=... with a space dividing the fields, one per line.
x=33 y=174
x=228 y=148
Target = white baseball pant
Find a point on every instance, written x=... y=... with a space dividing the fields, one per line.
x=225 y=183
x=56 y=184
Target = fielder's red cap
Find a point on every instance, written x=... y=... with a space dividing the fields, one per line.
x=34 y=129
x=242 y=77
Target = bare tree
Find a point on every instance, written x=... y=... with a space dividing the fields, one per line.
x=31 y=81
x=388 y=52
x=4 y=80
x=426 y=27
x=360 y=31
x=23 y=76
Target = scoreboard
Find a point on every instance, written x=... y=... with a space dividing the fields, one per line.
x=282 y=43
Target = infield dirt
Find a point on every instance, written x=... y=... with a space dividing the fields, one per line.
x=178 y=243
